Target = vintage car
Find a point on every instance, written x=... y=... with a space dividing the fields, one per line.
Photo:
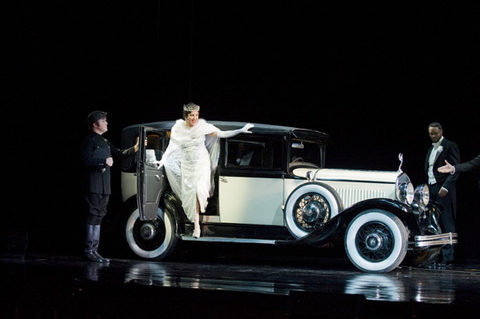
x=282 y=195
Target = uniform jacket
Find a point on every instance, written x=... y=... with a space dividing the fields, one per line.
x=94 y=152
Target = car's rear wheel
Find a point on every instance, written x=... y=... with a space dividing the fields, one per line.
x=153 y=239
x=309 y=207
x=376 y=241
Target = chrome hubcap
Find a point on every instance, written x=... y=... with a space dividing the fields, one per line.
x=147 y=231
x=373 y=242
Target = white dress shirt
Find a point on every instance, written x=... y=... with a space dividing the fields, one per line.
x=431 y=161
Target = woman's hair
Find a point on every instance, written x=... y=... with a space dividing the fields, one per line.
x=190 y=107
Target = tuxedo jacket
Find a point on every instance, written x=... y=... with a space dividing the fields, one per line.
x=468 y=166
x=451 y=153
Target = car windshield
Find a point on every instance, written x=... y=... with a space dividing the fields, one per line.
x=307 y=151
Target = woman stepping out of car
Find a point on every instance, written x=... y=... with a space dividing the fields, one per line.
x=191 y=159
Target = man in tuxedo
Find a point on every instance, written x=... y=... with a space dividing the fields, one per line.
x=442 y=186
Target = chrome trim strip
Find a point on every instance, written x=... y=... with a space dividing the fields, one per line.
x=229 y=240
x=433 y=240
x=320 y=179
x=436 y=243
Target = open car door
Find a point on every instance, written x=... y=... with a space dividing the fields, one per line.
x=151 y=181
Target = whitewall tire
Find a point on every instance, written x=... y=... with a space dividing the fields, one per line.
x=309 y=207
x=151 y=239
x=376 y=241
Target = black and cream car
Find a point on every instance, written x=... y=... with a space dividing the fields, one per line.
x=281 y=195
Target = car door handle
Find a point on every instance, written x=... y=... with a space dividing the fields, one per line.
x=223 y=179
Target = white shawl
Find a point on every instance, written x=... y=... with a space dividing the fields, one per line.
x=190 y=161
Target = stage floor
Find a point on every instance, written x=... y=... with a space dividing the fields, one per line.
x=232 y=282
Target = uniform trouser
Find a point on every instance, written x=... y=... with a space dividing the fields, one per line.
x=447 y=217
x=96 y=208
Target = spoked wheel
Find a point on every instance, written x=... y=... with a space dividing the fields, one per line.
x=376 y=241
x=151 y=239
x=309 y=207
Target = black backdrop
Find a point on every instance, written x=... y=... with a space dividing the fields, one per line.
x=372 y=74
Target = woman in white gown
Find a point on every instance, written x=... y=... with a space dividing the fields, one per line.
x=191 y=158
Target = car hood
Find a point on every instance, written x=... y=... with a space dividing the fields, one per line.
x=349 y=175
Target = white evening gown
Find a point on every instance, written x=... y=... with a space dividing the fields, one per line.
x=190 y=162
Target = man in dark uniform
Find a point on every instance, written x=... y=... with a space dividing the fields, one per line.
x=442 y=186
x=97 y=156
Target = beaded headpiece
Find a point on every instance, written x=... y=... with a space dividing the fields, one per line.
x=190 y=107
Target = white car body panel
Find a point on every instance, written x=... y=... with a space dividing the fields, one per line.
x=354 y=186
x=255 y=201
x=129 y=185
x=242 y=197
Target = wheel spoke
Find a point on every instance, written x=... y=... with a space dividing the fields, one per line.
x=375 y=242
x=311 y=211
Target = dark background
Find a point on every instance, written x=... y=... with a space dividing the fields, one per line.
x=372 y=74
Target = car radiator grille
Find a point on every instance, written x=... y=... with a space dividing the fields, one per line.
x=351 y=196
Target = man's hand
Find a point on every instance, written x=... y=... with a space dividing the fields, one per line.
x=137 y=144
x=109 y=161
x=448 y=168
x=443 y=192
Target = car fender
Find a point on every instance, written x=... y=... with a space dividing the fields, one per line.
x=335 y=228
x=170 y=200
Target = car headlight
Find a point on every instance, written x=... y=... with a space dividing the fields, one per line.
x=422 y=195
x=405 y=192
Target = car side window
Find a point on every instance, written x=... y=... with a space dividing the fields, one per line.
x=253 y=154
x=154 y=148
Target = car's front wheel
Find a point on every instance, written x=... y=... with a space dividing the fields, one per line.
x=376 y=241
x=309 y=207
x=153 y=239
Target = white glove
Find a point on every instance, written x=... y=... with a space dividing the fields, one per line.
x=246 y=128
x=227 y=134
x=155 y=164
x=158 y=164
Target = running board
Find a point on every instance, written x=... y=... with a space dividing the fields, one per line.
x=229 y=240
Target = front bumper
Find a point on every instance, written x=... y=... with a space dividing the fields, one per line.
x=435 y=240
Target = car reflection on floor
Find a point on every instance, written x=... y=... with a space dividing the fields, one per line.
x=281 y=286
x=401 y=285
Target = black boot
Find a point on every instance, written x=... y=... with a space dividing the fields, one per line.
x=88 y=248
x=96 y=242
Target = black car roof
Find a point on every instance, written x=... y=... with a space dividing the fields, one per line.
x=228 y=125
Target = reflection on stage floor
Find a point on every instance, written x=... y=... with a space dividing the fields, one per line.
x=280 y=280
